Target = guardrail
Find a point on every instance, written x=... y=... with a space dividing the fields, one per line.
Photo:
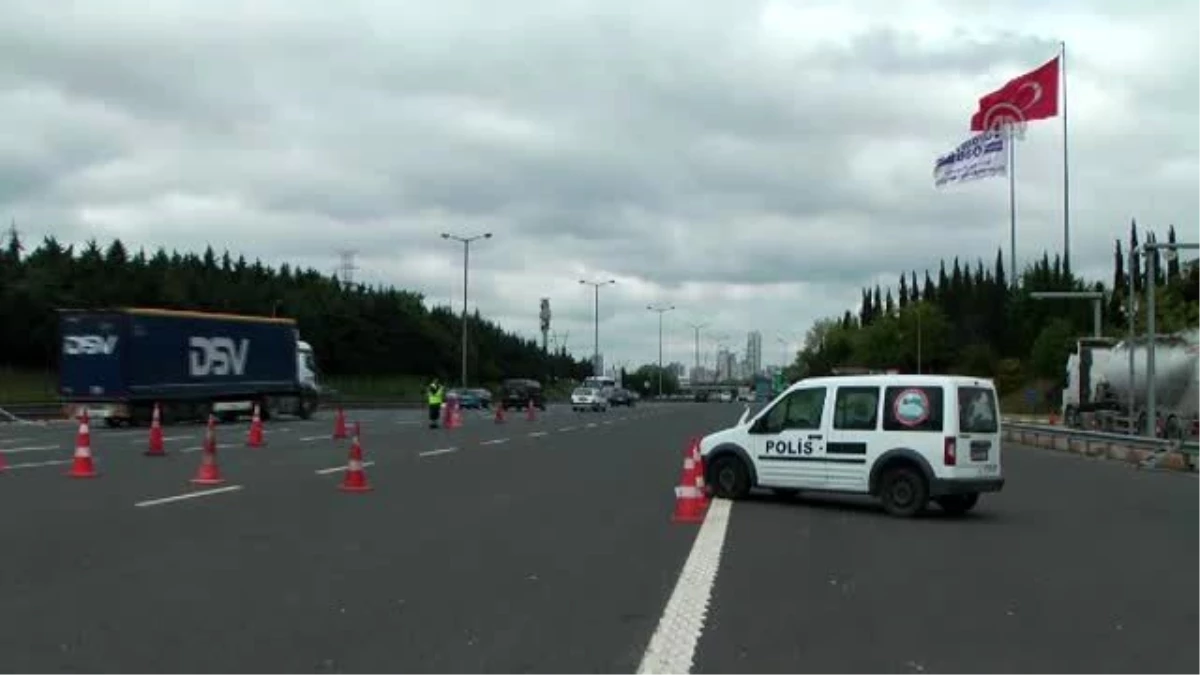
x=1139 y=450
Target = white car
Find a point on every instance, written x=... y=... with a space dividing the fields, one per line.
x=586 y=398
x=905 y=439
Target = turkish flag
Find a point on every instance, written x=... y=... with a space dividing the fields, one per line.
x=1028 y=97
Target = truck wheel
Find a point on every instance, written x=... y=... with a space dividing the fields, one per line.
x=730 y=479
x=903 y=492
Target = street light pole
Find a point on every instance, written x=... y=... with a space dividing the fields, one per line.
x=697 y=327
x=661 y=309
x=596 y=328
x=466 y=242
x=1149 y=249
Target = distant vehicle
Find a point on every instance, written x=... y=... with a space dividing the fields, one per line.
x=485 y=397
x=724 y=396
x=621 y=396
x=905 y=439
x=1098 y=387
x=518 y=393
x=745 y=395
x=118 y=363
x=589 y=398
x=468 y=399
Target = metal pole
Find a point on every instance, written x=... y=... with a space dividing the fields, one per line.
x=660 y=319
x=1131 y=315
x=596 y=335
x=1096 y=332
x=1066 y=173
x=1012 y=204
x=466 y=266
x=1151 y=402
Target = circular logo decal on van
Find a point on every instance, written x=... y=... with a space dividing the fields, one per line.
x=911 y=407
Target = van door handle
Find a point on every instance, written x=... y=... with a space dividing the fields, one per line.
x=815 y=437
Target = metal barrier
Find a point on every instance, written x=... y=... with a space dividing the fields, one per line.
x=1140 y=450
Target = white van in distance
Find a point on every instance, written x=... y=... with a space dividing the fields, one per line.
x=905 y=439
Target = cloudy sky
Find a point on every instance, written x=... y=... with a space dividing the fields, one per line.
x=752 y=162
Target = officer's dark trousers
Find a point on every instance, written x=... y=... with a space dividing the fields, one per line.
x=435 y=413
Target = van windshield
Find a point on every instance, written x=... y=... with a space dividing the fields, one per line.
x=977 y=412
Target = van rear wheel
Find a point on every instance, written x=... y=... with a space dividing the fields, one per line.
x=903 y=492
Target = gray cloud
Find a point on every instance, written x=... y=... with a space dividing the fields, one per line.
x=753 y=162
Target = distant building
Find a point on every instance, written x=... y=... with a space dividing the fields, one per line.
x=754 y=355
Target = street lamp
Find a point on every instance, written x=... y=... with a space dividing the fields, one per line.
x=661 y=309
x=1149 y=249
x=466 y=242
x=596 y=335
x=697 y=327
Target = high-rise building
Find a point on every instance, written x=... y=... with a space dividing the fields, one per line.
x=754 y=356
x=726 y=361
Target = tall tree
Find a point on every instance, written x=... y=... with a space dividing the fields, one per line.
x=1135 y=262
x=903 y=291
x=1173 y=268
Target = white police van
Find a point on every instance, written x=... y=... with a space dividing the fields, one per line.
x=903 y=438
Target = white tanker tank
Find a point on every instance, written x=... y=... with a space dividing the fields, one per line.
x=1175 y=372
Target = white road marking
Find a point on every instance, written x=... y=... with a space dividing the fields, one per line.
x=34 y=465
x=495 y=441
x=335 y=469
x=607 y=422
x=165 y=439
x=323 y=437
x=30 y=448
x=197 y=448
x=537 y=434
x=566 y=429
x=25 y=439
x=673 y=645
x=408 y=421
x=441 y=451
x=591 y=425
x=190 y=495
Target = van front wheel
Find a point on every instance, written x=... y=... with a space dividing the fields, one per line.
x=730 y=479
x=903 y=492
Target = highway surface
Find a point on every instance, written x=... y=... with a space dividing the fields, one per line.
x=548 y=546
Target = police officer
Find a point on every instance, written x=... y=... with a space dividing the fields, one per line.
x=434 y=395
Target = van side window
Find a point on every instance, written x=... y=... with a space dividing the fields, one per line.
x=802 y=409
x=913 y=408
x=856 y=408
x=977 y=411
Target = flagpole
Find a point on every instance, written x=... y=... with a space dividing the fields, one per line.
x=1012 y=203
x=1062 y=56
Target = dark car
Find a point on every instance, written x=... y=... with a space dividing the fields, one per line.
x=620 y=396
x=518 y=393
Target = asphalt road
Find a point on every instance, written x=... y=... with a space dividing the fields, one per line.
x=547 y=546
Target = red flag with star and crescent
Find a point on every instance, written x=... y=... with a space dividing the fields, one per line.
x=1025 y=98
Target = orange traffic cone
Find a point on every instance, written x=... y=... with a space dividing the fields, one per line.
x=156 y=448
x=499 y=418
x=456 y=416
x=339 y=425
x=698 y=468
x=690 y=504
x=83 y=466
x=255 y=439
x=530 y=415
x=355 y=478
x=209 y=473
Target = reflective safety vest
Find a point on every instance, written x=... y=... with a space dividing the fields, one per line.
x=435 y=395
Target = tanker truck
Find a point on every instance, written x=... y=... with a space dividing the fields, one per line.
x=1100 y=394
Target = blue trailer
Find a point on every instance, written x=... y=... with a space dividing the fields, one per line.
x=118 y=363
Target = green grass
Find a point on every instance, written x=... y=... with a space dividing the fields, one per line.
x=27 y=386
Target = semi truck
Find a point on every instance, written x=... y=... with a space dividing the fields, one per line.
x=117 y=364
x=1100 y=394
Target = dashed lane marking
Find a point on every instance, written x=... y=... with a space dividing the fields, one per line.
x=567 y=428
x=310 y=439
x=591 y=425
x=24 y=439
x=538 y=434
x=166 y=439
x=197 y=448
x=30 y=448
x=34 y=465
x=673 y=645
x=495 y=441
x=335 y=469
x=189 y=495
x=439 y=451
